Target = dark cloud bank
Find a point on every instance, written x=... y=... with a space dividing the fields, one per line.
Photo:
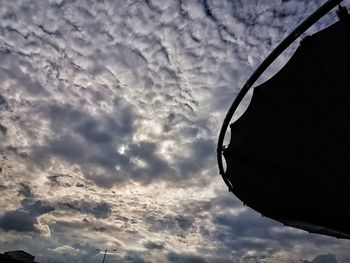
x=25 y=219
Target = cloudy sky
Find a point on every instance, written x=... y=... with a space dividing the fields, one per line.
x=109 y=116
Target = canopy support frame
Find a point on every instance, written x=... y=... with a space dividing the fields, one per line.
x=305 y=25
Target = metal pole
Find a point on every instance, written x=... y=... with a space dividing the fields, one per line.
x=104 y=256
x=306 y=24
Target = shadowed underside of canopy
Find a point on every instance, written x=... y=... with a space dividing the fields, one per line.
x=289 y=154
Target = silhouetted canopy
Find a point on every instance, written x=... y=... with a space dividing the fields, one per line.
x=289 y=154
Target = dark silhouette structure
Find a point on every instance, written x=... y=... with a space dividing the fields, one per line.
x=289 y=154
x=17 y=256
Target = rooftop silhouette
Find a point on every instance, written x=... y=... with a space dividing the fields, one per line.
x=17 y=256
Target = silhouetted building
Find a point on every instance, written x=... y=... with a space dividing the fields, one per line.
x=17 y=256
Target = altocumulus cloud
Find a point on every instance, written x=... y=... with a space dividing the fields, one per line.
x=109 y=112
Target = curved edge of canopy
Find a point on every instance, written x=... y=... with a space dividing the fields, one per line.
x=305 y=25
x=277 y=76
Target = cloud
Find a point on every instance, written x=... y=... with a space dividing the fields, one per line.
x=3 y=103
x=25 y=190
x=154 y=245
x=25 y=219
x=18 y=220
x=134 y=256
x=94 y=144
x=110 y=112
x=98 y=210
x=173 y=224
x=327 y=258
x=185 y=258
x=3 y=130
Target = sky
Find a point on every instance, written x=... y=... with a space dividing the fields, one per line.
x=109 y=117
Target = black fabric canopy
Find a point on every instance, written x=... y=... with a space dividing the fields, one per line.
x=289 y=154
